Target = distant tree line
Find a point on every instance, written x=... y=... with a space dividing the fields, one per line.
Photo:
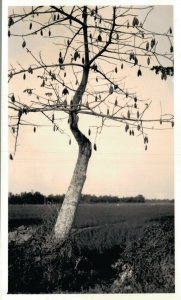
x=34 y=198
x=38 y=198
x=111 y=199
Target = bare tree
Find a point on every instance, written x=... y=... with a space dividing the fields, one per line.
x=92 y=46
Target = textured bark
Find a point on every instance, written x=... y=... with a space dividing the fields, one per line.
x=68 y=210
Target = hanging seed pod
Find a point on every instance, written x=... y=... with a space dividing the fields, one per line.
x=135 y=61
x=92 y=13
x=96 y=79
x=131 y=56
x=10 y=22
x=13 y=130
x=10 y=157
x=24 y=76
x=116 y=70
x=152 y=43
x=30 y=26
x=160 y=121
x=126 y=127
x=68 y=42
x=135 y=22
x=110 y=90
x=83 y=60
x=145 y=140
x=138 y=114
x=139 y=73
x=128 y=114
x=96 y=98
x=138 y=127
x=70 y=142
x=96 y=10
x=9 y=33
x=58 y=17
x=146 y=147
x=13 y=98
x=90 y=36
x=116 y=102
x=171 y=49
x=99 y=38
x=135 y=105
x=70 y=21
x=41 y=32
x=107 y=111
x=65 y=74
x=89 y=132
x=53 y=118
x=30 y=70
x=135 y=99
x=23 y=44
x=34 y=129
x=148 y=61
x=170 y=30
x=95 y=147
x=49 y=33
x=65 y=91
x=43 y=83
x=122 y=66
x=54 y=18
x=54 y=128
x=127 y=24
x=172 y=123
x=147 y=46
x=126 y=94
x=94 y=67
x=132 y=132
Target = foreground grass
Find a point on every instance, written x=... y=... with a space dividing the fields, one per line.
x=128 y=256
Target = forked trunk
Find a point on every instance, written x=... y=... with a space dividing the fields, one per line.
x=68 y=210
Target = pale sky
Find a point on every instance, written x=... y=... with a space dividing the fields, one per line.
x=44 y=161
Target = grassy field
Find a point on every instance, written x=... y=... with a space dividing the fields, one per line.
x=125 y=248
x=94 y=214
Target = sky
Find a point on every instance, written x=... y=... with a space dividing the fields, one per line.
x=45 y=161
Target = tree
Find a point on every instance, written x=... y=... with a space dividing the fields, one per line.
x=90 y=47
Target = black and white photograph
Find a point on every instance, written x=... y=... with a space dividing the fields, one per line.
x=89 y=154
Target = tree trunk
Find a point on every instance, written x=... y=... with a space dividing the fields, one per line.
x=67 y=212
x=68 y=209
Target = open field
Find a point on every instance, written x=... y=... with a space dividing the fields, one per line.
x=93 y=214
x=109 y=242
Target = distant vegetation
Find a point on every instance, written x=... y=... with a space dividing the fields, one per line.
x=38 y=198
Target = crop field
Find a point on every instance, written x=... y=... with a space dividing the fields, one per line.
x=89 y=215
x=109 y=242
